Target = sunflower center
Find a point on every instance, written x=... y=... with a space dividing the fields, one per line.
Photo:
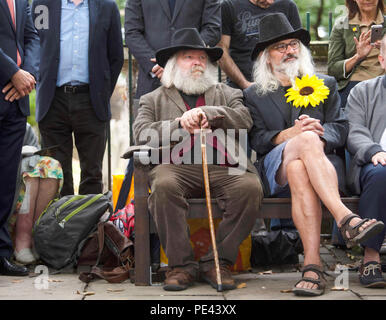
x=306 y=91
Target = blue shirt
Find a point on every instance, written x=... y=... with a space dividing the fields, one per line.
x=74 y=39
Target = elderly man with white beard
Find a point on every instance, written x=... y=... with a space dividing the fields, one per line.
x=191 y=98
x=297 y=126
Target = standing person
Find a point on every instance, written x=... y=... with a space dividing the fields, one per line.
x=366 y=142
x=240 y=33
x=81 y=58
x=292 y=143
x=351 y=57
x=19 y=60
x=149 y=26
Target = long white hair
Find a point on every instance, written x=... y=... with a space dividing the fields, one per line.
x=182 y=80
x=266 y=80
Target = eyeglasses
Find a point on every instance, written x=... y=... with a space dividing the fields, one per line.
x=284 y=46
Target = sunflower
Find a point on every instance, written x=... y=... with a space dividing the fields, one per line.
x=307 y=90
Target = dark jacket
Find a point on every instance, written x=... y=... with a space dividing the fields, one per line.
x=105 y=55
x=24 y=38
x=268 y=121
x=149 y=26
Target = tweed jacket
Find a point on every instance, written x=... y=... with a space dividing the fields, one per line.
x=342 y=47
x=224 y=109
x=269 y=120
x=366 y=111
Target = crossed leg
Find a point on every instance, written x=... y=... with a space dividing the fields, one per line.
x=311 y=178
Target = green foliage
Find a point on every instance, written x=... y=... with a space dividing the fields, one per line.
x=32 y=104
x=313 y=6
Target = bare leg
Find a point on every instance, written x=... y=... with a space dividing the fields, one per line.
x=41 y=192
x=48 y=188
x=371 y=255
x=307 y=216
x=308 y=148
x=24 y=221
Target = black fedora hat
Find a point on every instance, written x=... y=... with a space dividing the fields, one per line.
x=276 y=27
x=186 y=39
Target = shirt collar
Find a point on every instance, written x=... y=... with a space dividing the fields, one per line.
x=384 y=81
x=84 y=2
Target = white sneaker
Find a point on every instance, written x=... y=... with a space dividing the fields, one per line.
x=25 y=256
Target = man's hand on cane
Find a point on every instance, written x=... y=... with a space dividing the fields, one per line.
x=190 y=120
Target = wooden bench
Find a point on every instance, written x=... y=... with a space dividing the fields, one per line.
x=270 y=208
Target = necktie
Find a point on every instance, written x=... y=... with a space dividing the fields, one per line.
x=172 y=4
x=12 y=11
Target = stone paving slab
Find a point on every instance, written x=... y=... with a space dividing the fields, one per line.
x=263 y=283
x=55 y=287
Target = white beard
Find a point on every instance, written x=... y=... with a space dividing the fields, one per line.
x=291 y=69
x=195 y=84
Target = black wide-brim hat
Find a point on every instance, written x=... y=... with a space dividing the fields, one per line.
x=186 y=39
x=275 y=27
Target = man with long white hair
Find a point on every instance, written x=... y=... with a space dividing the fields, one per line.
x=188 y=99
x=297 y=121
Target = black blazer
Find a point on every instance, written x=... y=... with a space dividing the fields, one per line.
x=269 y=120
x=24 y=38
x=105 y=55
x=149 y=26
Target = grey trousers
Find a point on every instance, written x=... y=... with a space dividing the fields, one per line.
x=238 y=195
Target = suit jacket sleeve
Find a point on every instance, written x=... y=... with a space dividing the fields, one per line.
x=211 y=22
x=232 y=115
x=115 y=46
x=8 y=68
x=335 y=122
x=134 y=35
x=31 y=59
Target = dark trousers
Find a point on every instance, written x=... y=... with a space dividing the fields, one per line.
x=239 y=195
x=12 y=130
x=372 y=202
x=73 y=114
x=345 y=92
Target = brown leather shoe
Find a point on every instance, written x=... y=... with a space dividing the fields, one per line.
x=226 y=278
x=177 y=280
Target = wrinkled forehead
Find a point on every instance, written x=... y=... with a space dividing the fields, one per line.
x=285 y=41
x=192 y=52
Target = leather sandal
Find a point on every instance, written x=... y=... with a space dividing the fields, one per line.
x=320 y=282
x=356 y=236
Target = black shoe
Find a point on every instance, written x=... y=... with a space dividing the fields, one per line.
x=370 y=275
x=9 y=269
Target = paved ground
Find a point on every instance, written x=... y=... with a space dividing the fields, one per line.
x=258 y=284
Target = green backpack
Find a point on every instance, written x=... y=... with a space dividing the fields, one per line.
x=63 y=227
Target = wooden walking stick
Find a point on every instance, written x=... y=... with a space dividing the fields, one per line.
x=209 y=204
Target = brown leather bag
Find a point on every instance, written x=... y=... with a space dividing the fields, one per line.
x=107 y=246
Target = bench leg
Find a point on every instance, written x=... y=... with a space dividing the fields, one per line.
x=142 y=229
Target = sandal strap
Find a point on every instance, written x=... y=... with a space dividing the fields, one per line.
x=346 y=220
x=351 y=230
x=313 y=268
